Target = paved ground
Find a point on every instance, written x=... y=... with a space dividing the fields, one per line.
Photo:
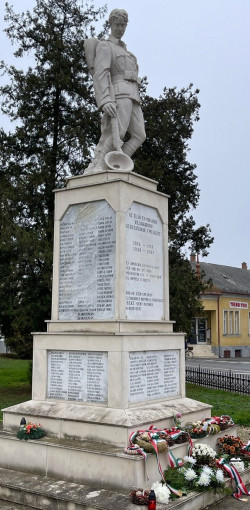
x=231 y=503
x=236 y=365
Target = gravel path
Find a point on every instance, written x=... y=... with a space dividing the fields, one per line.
x=243 y=433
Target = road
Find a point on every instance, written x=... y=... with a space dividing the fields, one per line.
x=237 y=365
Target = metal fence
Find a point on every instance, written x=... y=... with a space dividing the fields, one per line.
x=220 y=380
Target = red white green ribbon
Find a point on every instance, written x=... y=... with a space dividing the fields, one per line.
x=246 y=448
x=176 y=492
x=217 y=420
x=234 y=475
x=153 y=433
x=174 y=434
x=134 y=449
x=173 y=461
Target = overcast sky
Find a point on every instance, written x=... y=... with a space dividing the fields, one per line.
x=206 y=42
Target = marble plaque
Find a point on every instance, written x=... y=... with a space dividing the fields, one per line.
x=87 y=262
x=153 y=375
x=144 y=263
x=78 y=375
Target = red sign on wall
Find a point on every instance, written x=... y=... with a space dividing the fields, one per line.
x=238 y=304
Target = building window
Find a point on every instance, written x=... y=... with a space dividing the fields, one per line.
x=231 y=322
x=225 y=321
x=236 y=322
x=230 y=329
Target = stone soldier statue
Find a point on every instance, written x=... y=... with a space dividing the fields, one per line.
x=116 y=84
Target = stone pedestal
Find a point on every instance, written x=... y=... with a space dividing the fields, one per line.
x=109 y=362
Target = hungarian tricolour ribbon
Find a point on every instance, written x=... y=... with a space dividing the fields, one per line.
x=153 y=435
x=235 y=476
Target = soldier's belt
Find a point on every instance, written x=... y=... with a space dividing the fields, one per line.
x=128 y=76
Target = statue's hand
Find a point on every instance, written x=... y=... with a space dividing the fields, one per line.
x=110 y=109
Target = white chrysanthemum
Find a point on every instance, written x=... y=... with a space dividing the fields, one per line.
x=203 y=450
x=162 y=492
x=155 y=486
x=220 y=476
x=190 y=474
x=190 y=460
x=204 y=479
x=207 y=470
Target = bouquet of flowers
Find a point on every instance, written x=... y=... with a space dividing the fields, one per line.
x=30 y=431
x=177 y=419
x=230 y=445
x=162 y=492
x=203 y=454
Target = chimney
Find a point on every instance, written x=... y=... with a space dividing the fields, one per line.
x=198 y=267
x=192 y=257
x=244 y=265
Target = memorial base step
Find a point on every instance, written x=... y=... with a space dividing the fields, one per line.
x=93 y=463
x=107 y=425
x=39 y=492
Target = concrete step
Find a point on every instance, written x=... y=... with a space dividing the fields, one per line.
x=108 y=467
x=96 y=423
x=8 y=505
x=42 y=493
x=203 y=351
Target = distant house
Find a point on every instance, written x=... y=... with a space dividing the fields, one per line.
x=226 y=321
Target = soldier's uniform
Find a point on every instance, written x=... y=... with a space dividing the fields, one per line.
x=115 y=77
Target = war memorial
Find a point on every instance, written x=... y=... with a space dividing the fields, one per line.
x=109 y=363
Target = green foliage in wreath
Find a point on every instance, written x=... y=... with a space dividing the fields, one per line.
x=30 y=431
x=175 y=477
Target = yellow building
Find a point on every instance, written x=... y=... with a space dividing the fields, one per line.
x=226 y=321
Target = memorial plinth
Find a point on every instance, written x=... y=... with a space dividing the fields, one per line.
x=109 y=362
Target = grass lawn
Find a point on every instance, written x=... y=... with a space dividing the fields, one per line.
x=223 y=402
x=14 y=382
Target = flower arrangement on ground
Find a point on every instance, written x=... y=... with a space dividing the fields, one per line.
x=30 y=431
x=230 y=445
